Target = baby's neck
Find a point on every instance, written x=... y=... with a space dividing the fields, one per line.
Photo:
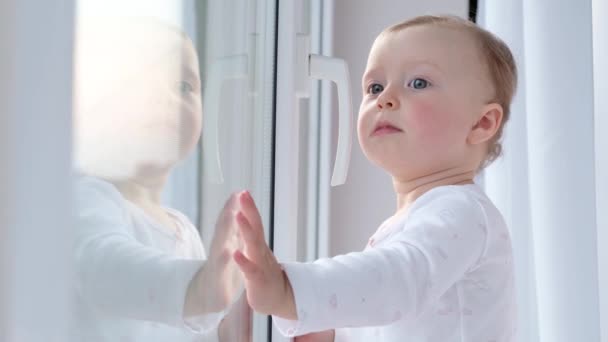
x=409 y=190
x=141 y=192
x=147 y=196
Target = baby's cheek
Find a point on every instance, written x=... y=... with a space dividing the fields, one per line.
x=365 y=120
x=430 y=120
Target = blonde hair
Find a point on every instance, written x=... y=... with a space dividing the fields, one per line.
x=496 y=55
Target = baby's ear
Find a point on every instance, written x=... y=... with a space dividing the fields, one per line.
x=488 y=124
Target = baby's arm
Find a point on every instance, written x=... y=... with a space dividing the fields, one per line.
x=322 y=336
x=119 y=276
x=379 y=286
x=116 y=274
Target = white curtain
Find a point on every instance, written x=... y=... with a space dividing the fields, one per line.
x=550 y=183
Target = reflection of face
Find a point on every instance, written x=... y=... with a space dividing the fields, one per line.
x=426 y=82
x=137 y=98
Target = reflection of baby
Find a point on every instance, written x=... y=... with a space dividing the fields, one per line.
x=436 y=94
x=141 y=273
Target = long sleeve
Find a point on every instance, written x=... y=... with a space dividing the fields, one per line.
x=118 y=275
x=423 y=256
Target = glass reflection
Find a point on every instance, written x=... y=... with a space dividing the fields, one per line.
x=142 y=273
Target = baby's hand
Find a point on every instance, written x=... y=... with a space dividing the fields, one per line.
x=219 y=281
x=268 y=289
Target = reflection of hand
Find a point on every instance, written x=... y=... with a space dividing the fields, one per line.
x=236 y=326
x=218 y=282
x=322 y=336
x=225 y=242
x=268 y=289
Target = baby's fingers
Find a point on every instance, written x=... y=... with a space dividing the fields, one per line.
x=246 y=265
x=255 y=245
x=250 y=210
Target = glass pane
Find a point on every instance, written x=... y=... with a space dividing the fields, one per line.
x=172 y=114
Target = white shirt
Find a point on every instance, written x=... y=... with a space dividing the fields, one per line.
x=441 y=272
x=132 y=274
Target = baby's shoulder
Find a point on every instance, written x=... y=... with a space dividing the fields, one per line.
x=462 y=205
x=92 y=196
x=88 y=187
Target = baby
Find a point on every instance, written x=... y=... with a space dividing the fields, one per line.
x=142 y=273
x=436 y=95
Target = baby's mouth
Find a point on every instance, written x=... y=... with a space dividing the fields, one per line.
x=384 y=128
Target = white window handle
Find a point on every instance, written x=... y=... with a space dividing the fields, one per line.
x=222 y=70
x=335 y=70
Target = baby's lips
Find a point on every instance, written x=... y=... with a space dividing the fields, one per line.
x=383 y=123
x=384 y=128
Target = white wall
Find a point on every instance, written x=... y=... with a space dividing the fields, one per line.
x=357 y=23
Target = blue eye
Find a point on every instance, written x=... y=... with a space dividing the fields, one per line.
x=375 y=89
x=185 y=87
x=419 y=83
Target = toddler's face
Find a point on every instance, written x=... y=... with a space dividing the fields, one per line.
x=137 y=99
x=423 y=90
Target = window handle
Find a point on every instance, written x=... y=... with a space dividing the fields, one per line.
x=222 y=70
x=335 y=70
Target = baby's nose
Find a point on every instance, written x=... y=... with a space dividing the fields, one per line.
x=387 y=102
x=385 y=105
